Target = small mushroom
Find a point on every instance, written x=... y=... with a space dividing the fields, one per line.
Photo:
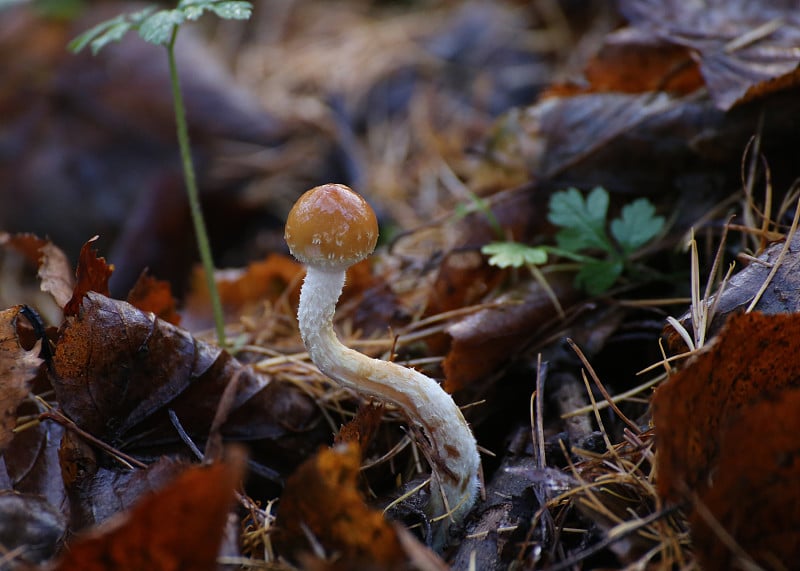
x=329 y=229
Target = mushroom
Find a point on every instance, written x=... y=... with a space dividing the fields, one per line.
x=329 y=229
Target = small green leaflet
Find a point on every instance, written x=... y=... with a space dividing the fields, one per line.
x=584 y=238
x=596 y=276
x=225 y=9
x=583 y=222
x=637 y=225
x=109 y=31
x=514 y=254
x=157 y=27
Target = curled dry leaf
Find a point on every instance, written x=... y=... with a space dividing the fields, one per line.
x=178 y=527
x=55 y=270
x=115 y=367
x=18 y=368
x=745 y=49
x=93 y=274
x=322 y=504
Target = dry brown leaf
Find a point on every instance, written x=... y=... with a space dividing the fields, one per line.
x=727 y=428
x=753 y=357
x=362 y=427
x=177 y=528
x=18 y=368
x=631 y=63
x=321 y=503
x=97 y=491
x=151 y=294
x=92 y=275
x=745 y=49
x=754 y=496
x=261 y=281
x=55 y=271
x=483 y=342
x=117 y=370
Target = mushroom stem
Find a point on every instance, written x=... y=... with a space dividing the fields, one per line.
x=447 y=440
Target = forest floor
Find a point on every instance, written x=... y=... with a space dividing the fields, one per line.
x=587 y=218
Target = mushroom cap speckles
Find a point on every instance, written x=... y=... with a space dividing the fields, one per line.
x=330 y=226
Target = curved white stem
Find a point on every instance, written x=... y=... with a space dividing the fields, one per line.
x=448 y=442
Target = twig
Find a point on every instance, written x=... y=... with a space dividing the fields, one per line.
x=128 y=461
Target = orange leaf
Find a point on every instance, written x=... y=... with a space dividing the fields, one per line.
x=754 y=356
x=92 y=273
x=263 y=280
x=755 y=496
x=150 y=294
x=641 y=65
x=321 y=501
x=361 y=429
x=177 y=528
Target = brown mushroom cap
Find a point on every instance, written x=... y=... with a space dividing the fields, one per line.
x=331 y=226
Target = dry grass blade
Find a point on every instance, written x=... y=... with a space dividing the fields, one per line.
x=777 y=264
x=601 y=388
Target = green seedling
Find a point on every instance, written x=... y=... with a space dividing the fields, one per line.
x=600 y=256
x=161 y=27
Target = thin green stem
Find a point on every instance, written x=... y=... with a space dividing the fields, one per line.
x=191 y=189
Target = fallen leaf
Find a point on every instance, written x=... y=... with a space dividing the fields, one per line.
x=754 y=496
x=464 y=278
x=631 y=62
x=753 y=357
x=92 y=275
x=361 y=429
x=32 y=461
x=54 y=269
x=178 y=527
x=118 y=371
x=55 y=273
x=114 y=365
x=745 y=49
x=18 y=368
x=321 y=504
x=485 y=341
x=97 y=491
x=151 y=294
x=261 y=281
x=30 y=528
